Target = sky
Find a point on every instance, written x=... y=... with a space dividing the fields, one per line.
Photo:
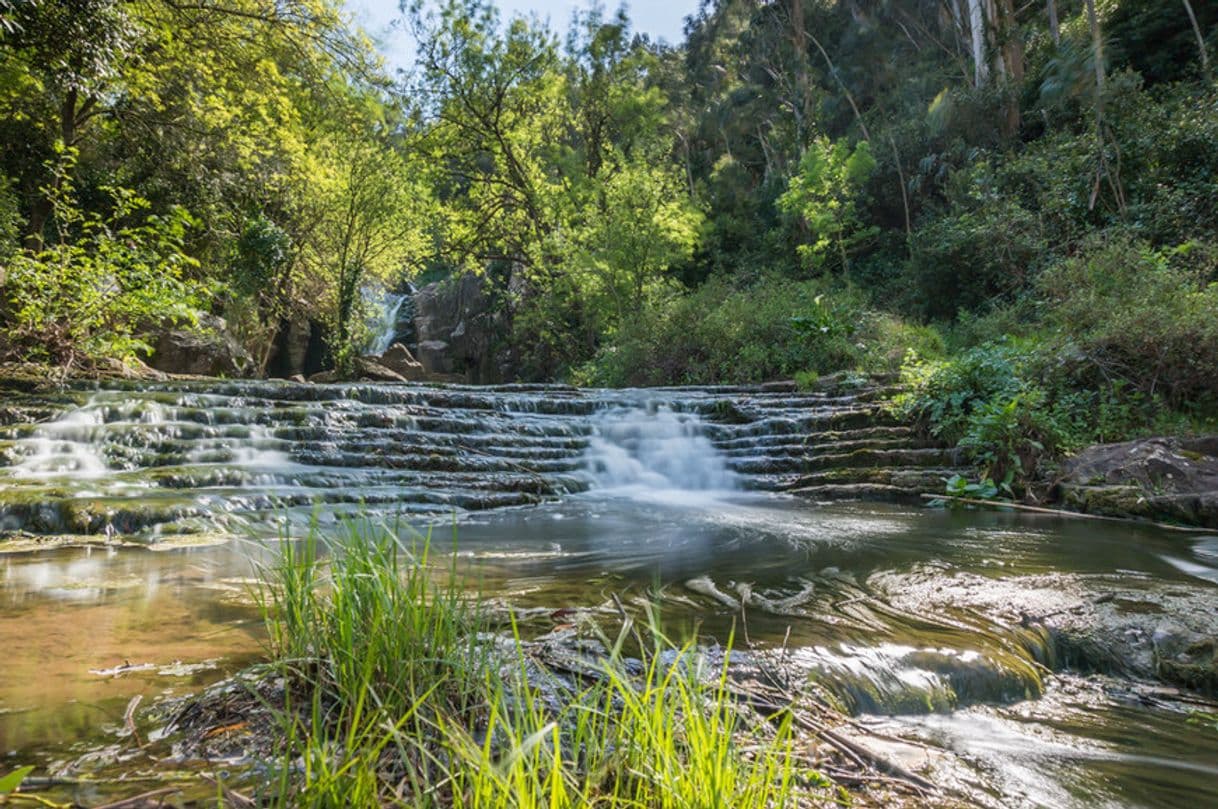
x=661 y=19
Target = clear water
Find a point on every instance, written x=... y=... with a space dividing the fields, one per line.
x=915 y=620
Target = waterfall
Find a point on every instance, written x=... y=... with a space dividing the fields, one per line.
x=654 y=448
x=65 y=447
x=384 y=321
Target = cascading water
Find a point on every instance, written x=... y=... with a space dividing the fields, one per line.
x=385 y=306
x=64 y=447
x=944 y=619
x=655 y=448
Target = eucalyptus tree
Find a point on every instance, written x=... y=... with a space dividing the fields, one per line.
x=491 y=99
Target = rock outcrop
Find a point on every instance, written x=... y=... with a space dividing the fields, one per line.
x=207 y=350
x=1156 y=478
x=366 y=369
x=299 y=348
x=458 y=328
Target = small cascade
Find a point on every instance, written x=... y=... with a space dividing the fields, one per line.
x=383 y=325
x=65 y=447
x=158 y=458
x=655 y=448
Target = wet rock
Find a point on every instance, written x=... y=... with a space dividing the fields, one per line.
x=208 y=350
x=1186 y=658
x=1155 y=478
x=1079 y=623
x=367 y=369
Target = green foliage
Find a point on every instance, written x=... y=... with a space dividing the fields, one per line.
x=944 y=394
x=723 y=334
x=984 y=489
x=12 y=781
x=989 y=402
x=10 y=222
x=626 y=183
x=984 y=251
x=824 y=195
x=397 y=687
x=90 y=294
x=1139 y=316
x=1007 y=438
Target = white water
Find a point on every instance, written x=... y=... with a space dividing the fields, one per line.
x=57 y=449
x=654 y=448
x=383 y=325
x=73 y=445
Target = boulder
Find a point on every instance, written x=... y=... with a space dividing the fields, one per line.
x=207 y=350
x=1157 y=478
x=367 y=369
x=399 y=360
x=458 y=327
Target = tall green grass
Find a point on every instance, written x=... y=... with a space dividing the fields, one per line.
x=399 y=696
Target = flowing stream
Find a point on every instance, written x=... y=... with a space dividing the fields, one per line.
x=1026 y=660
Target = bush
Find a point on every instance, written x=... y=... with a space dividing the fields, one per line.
x=87 y=296
x=944 y=394
x=721 y=334
x=990 y=402
x=973 y=257
x=1136 y=316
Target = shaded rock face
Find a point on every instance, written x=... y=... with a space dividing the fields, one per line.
x=299 y=348
x=209 y=350
x=1156 y=478
x=457 y=328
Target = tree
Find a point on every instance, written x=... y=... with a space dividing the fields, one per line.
x=823 y=195
x=640 y=227
x=370 y=219
x=89 y=293
x=491 y=101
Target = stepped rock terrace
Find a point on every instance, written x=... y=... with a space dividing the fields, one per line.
x=153 y=460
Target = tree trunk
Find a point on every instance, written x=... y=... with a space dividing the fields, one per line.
x=976 y=24
x=1205 y=59
x=1103 y=170
x=994 y=29
x=896 y=156
x=1054 y=26
x=1012 y=55
x=1097 y=45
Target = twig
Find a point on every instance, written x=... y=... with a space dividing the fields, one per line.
x=129 y=719
x=137 y=800
x=233 y=797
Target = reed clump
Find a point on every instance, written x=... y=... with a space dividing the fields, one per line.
x=404 y=692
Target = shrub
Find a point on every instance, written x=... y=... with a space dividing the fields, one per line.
x=944 y=394
x=720 y=333
x=984 y=248
x=1134 y=315
x=988 y=401
x=88 y=295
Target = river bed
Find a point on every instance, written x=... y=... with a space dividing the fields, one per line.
x=1020 y=650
